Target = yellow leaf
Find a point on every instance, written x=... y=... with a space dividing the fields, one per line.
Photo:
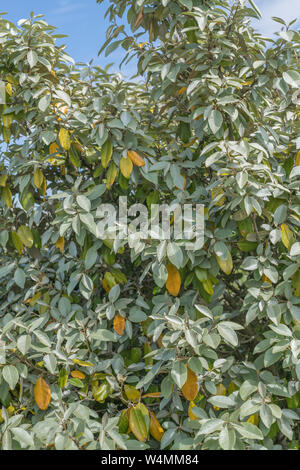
x=42 y=393
x=297 y=160
x=126 y=167
x=25 y=235
x=190 y=388
x=249 y=82
x=286 y=236
x=139 y=421
x=83 y=363
x=38 y=178
x=156 y=430
x=77 y=374
x=9 y=90
x=64 y=139
x=264 y=278
x=173 y=283
x=181 y=91
x=60 y=244
x=132 y=393
x=53 y=148
x=7 y=196
x=136 y=158
x=253 y=419
x=119 y=324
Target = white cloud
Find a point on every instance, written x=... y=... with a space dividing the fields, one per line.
x=288 y=10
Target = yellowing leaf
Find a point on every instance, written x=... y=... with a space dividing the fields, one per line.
x=9 y=90
x=226 y=265
x=7 y=120
x=106 y=153
x=221 y=390
x=232 y=387
x=42 y=393
x=139 y=421
x=173 y=283
x=60 y=244
x=83 y=363
x=119 y=324
x=297 y=160
x=296 y=283
x=74 y=157
x=111 y=175
x=136 y=158
x=156 y=430
x=3 y=179
x=264 y=278
x=38 y=178
x=287 y=236
x=7 y=196
x=17 y=242
x=64 y=139
x=6 y=134
x=181 y=91
x=152 y=395
x=35 y=298
x=132 y=393
x=25 y=235
x=253 y=419
x=190 y=388
x=139 y=19
x=44 y=187
x=53 y=148
x=62 y=378
x=249 y=82
x=217 y=193
x=123 y=422
x=77 y=374
x=126 y=167
x=105 y=286
x=208 y=287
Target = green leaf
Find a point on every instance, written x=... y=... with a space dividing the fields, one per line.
x=179 y=373
x=11 y=376
x=215 y=121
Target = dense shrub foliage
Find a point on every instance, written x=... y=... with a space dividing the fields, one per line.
x=135 y=345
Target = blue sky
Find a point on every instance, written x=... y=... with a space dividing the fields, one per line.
x=83 y=21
